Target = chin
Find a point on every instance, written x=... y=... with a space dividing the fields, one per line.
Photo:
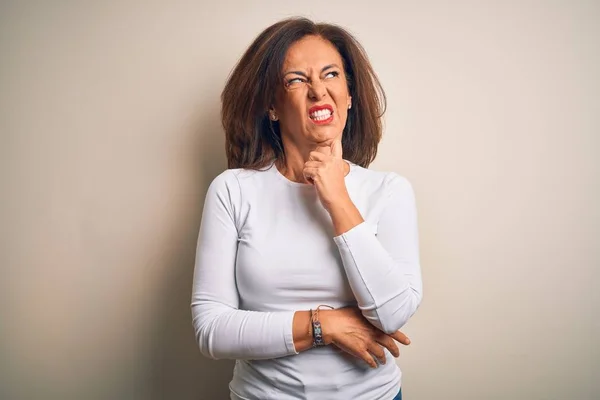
x=324 y=135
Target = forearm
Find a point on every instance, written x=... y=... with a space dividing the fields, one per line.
x=381 y=259
x=238 y=334
x=226 y=333
x=387 y=291
x=344 y=216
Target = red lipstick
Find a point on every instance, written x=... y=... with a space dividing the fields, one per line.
x=321 y=119
x=321 y=107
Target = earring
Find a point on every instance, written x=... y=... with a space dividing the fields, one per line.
x=273 y=116
x=349 y=106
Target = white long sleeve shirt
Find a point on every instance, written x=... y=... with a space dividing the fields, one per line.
x=266 y=249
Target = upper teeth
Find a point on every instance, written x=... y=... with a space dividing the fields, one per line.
x=321 y=114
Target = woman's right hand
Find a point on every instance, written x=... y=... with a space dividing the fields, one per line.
x=347 y=329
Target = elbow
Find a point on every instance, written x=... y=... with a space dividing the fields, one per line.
x=203 y=340
x=204 y=330
x=399 y=316
x=202 y=333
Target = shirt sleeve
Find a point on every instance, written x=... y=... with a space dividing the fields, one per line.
x=222 y=330
x=383 y=268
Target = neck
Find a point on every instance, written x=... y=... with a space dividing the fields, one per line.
x=293 y=164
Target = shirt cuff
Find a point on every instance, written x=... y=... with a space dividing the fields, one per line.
x=353 y=234
x=288 y=333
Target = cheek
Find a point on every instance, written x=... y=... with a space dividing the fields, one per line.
x=343 y=116
x=341 y=96
x=342 y=107
x=294 y=105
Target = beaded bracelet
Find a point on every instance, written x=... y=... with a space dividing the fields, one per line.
x=317 y=331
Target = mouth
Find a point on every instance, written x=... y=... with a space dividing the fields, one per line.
x=321 y=115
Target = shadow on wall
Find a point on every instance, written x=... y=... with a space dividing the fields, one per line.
x=179 y=371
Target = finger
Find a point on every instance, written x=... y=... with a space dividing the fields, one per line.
x=401 y=337
x=365 y=355
x=317 y=155
x=313 y=164
x=310 y=173
x=336 y=148
x=358 y=353
x=387 y=342
x=377 y=351
x=324 y=150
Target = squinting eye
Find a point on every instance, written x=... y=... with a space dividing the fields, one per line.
x=294 y=80
x=332 y=74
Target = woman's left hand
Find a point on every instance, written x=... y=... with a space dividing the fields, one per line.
x=326 y=170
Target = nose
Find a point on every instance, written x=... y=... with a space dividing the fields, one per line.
x=317 y=90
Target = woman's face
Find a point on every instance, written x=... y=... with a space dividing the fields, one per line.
x=312 y=104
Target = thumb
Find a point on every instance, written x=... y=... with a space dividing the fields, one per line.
x=336 y=148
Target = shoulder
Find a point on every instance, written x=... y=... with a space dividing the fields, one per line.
x=234 y=191
x=225 y=181
x=386 y=181
x=231 y=182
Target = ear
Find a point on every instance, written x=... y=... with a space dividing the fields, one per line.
x=272 y=114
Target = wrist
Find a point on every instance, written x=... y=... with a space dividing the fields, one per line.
x=302 y=331
x=339 y=204
x=345 y=217
x=325 y=317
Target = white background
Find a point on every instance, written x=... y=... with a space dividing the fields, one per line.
x=110 y=134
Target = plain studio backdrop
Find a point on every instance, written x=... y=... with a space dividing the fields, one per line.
x=110 y=135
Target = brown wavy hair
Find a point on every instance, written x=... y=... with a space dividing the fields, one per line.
x=253 y=141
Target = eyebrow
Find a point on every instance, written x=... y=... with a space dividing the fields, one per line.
x=301 y=73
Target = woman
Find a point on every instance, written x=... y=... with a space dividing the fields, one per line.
x=298 y=222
